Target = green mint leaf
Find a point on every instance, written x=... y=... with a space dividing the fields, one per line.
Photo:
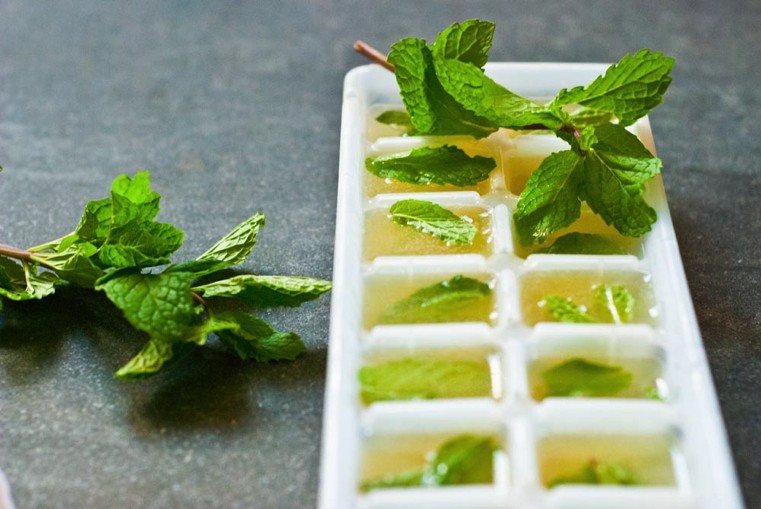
x=583 y=243
x=582 y=378
x=412 y=378
x=595 y=472
x=159 y=304
x=435 y=220
x=25 y=282
x=437 y=302
x=628 y=89
x=619 y=204
x=468 y=41
x=155 y=355
x=615 y=302
x=623 y=154
x=431 y=109
x=563 y=309
x=236 y=246
x=140 y=245
x=132 y=199
x=267 y=291
x=253 y=338
x=466 y=459
x=590 y=117
x=551 y=199
x=427 y=165
x=395 y=117
x=229 y=251
x=74 y=264
x=487 y=99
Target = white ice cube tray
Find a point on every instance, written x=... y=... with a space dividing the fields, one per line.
x=687 y=421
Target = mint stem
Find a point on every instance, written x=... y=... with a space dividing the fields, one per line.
x=13 y=252
x=373 y=54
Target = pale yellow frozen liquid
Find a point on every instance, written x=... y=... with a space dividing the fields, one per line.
x=385 y=237
x=580 y=287
x=646 y=457
x=646 y=374
x=486 y=362
x=382 y=292
x=397 y=453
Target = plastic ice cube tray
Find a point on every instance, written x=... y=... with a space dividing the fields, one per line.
x=679 y=436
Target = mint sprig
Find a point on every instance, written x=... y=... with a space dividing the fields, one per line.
x=120 y=250
x=446 y=92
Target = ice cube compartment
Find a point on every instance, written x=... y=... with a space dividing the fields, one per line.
x=667 y=416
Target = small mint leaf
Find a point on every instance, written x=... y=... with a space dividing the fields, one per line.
x=551 y=199
x=628 y=89
x=159 y=304
x=267 y=291
x=581 y=378
x=253 y=338
x=433 y=219
x=563 y=309
x=436 y=303
x=468 y=41
x=413 y=378
x=615 y=302
x=427 y=165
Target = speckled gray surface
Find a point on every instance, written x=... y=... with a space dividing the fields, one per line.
x=235 y=107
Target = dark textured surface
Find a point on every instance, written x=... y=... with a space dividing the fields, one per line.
x=235 y=108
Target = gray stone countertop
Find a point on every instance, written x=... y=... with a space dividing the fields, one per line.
x=235 y=107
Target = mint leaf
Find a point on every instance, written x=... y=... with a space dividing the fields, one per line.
x=253 y=338
x=563 y=309
x=427 y=165
x=464 y=459
x=267 y=291
x=487 y=99
x=435 y=220
x=468 y=41
x=395 y=117
x=25 y=282
x=595 y=472
x=155 y=355
x=550 y=200
x=581 y=378
x=74 y=264
x=590 y=117
x=235 y=247
x=628 y=89
x=431 y=109
x=159 y=304
x=615 y=302
x=436 y=303
x=583 y=243
x=413 y=378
